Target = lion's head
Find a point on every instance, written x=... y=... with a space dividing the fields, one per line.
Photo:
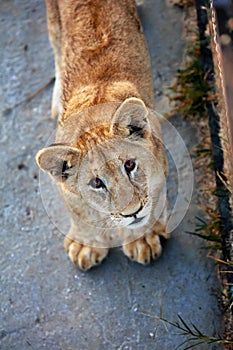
x=114 y=172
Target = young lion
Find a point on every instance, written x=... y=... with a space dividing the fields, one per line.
x=108 y=160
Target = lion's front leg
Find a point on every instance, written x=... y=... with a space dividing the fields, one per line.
x=85 y=257
x=148 y=247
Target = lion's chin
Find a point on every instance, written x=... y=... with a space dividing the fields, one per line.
x=138 y=222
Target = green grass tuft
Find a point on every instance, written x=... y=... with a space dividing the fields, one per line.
x=195 y=336
x=209 y=230
x=191 y=90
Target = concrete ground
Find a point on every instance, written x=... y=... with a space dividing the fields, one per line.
x=46 y=303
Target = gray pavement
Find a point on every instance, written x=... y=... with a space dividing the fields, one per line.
x=45 y=302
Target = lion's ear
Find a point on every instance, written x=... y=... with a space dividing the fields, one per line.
x=130 y=119
x=57 y=160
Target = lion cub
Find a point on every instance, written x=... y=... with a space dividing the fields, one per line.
x=108 y=160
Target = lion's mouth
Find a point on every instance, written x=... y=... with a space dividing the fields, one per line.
x=132 y=214
x=136 y=220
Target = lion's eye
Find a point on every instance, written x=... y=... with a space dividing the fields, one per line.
x=130 y=165
x=97 y=183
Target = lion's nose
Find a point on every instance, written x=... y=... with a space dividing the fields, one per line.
x=132 y=210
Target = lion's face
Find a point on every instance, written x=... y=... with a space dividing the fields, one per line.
x=119 y=179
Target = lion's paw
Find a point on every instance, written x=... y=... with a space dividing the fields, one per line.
x=85 y=257
x=144 y=249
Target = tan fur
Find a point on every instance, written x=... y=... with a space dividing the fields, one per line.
x=101 y=97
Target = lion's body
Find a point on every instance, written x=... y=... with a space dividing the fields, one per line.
x=100 y=53
x=105 y=133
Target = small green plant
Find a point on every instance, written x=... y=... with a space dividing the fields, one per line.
x=209 y=230
x=194 y=336
x=191 y=89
